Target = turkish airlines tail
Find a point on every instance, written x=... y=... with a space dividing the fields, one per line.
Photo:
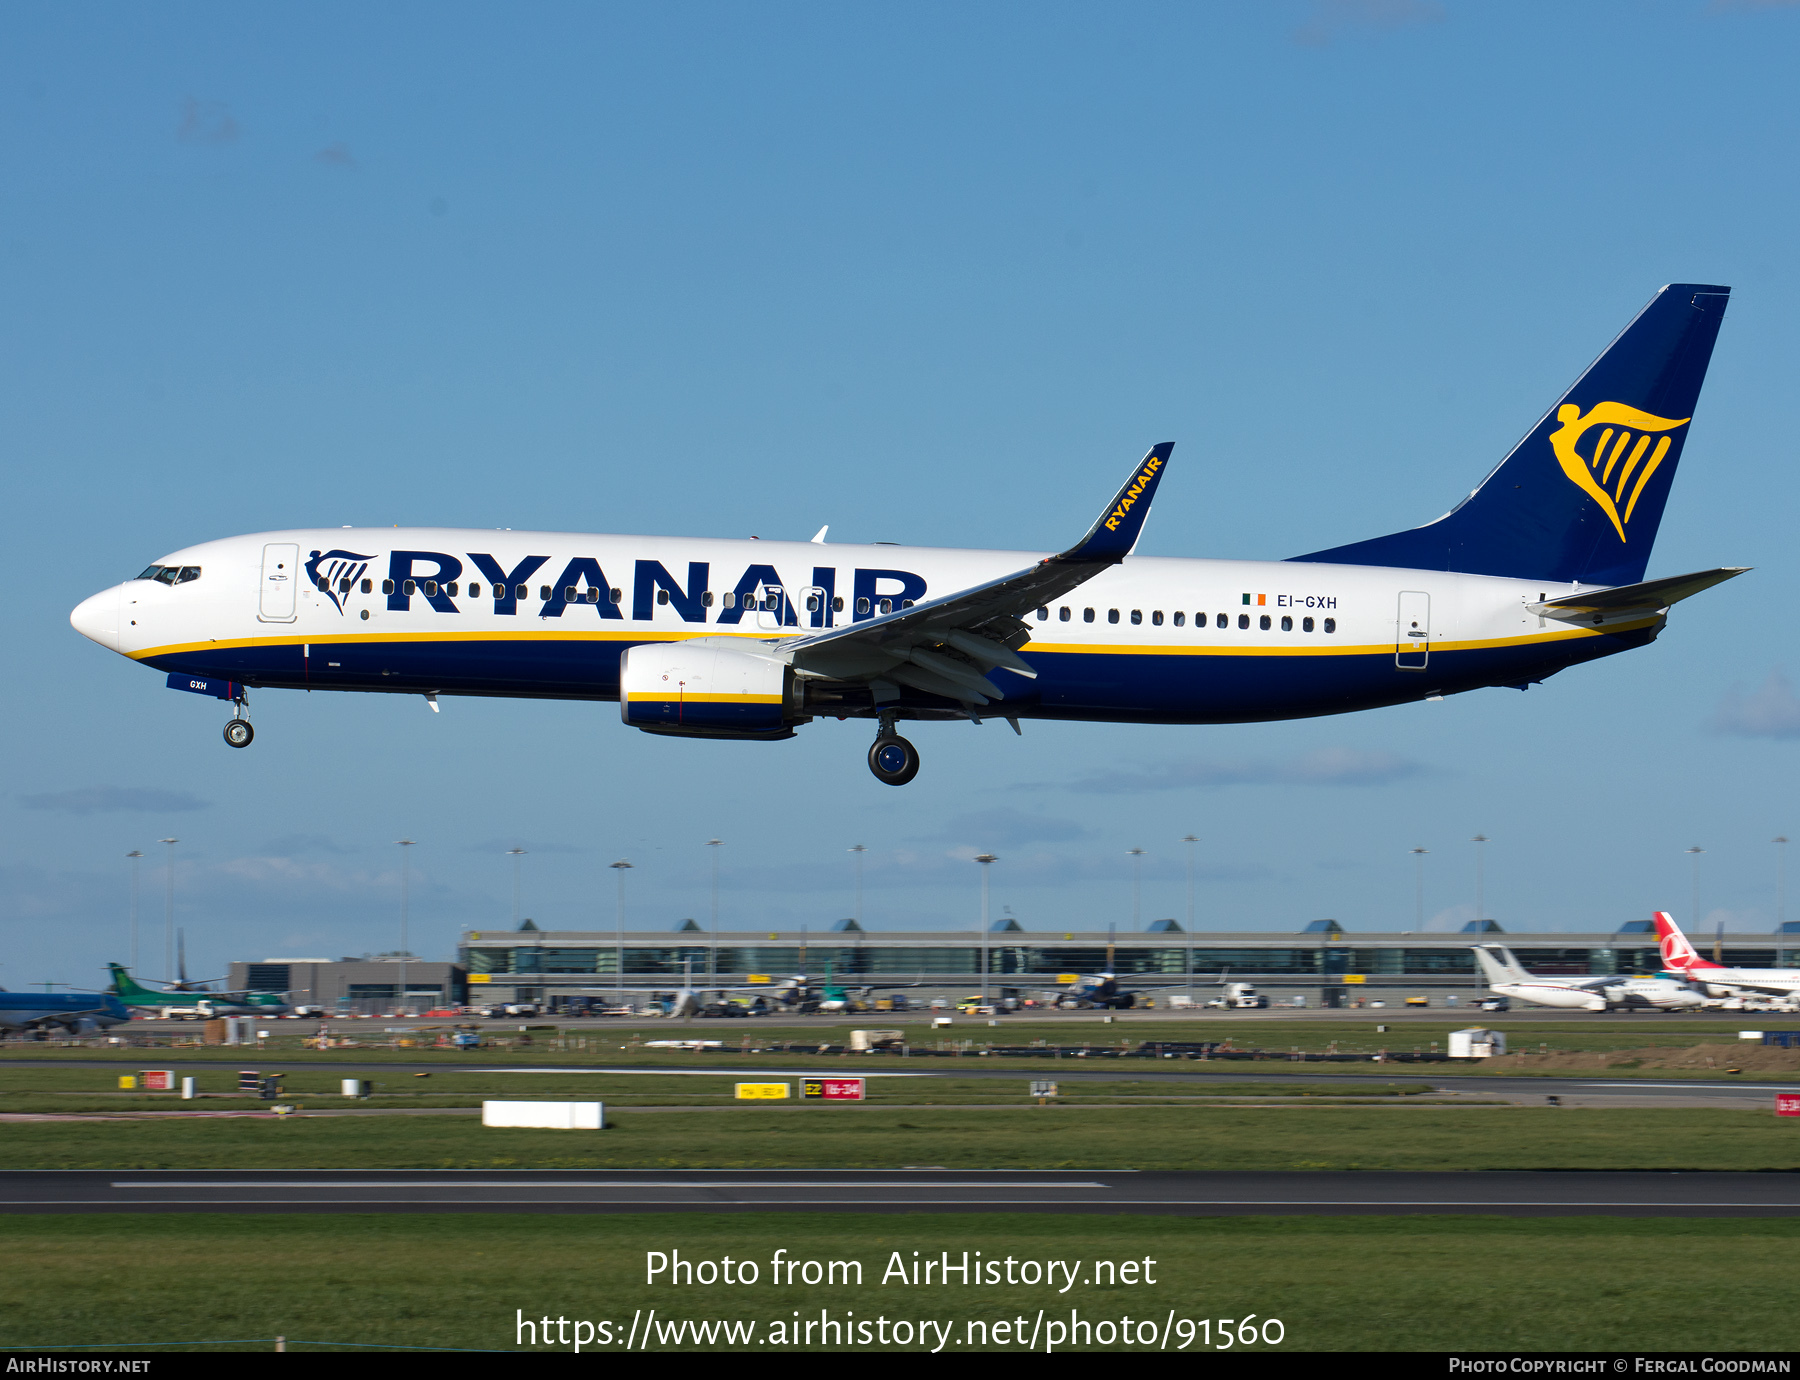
x=1677 y=954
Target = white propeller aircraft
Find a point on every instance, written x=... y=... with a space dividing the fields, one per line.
x=1540 y=568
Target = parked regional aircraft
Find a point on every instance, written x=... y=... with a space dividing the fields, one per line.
x=186 y=1002
x=1507 y=977
x=78 y=1013
x=1680 y=959
x=1540 y=568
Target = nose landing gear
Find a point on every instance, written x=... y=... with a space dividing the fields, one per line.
x=893 y=760
x=238 y=732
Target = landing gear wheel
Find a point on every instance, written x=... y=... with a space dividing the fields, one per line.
x=239 y=733
x=893 y=760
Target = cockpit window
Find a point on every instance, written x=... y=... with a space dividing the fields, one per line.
x=151 y=573
x=171 y=574
x=188 y=572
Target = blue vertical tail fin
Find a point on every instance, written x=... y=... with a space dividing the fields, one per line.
x=1580 y=498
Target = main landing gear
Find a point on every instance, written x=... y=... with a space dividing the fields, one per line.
x=238 y=732
x=893 y=760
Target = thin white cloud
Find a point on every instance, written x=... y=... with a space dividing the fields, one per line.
x=109 y=799
x=1772 y=710
x=1334 y=766
x=206 y=122
x=1330 y=20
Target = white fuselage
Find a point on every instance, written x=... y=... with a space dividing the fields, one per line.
x=1152 y=640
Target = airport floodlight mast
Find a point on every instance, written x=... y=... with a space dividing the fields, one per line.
x=1137 y=877
x=620 y=868
x=134 y=855
x=405 y=846
x=858 y=850
x=1419 y=888
x=1480 y=841
x=1780 y=881
x=1694 y=855
x=1190 y=840
x=515 y=854
x=169 y=913
x=712 y=965
x=986 y=860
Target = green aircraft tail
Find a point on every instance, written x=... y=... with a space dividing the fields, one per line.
x=126 y=988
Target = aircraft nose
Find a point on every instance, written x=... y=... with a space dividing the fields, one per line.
x=97 y=618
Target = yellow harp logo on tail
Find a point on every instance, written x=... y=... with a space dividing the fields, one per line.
x=1615 y=460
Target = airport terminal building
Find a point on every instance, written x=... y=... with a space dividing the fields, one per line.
x=1322 y=962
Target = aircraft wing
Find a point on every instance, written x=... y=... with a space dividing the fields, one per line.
x=1632 y=601
x=947 y=646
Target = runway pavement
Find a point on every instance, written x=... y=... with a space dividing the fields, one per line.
x=1551 y=1194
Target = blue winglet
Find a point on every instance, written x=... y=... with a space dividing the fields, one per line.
x=1113 y=536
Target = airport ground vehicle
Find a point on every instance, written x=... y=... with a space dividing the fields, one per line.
x=1418 y=1001
x=1240 y=996
x=1541 y=568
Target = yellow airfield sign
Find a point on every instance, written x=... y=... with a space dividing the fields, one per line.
x=775 y=1092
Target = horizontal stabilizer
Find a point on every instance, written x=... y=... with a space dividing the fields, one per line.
x=1597 y=606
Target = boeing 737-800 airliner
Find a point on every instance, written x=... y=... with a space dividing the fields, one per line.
x=1540 y=568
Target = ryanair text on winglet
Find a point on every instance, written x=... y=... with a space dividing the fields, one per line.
x=1117 y=515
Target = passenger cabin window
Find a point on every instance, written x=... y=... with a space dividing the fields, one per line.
x=1181 y=620
x=1043 y=615
x=887 y=605
x=1087 y=615
x=837 y=603
x=1306 y=625
x=1112 y=615
x=812 y=600
x=662 y=596
x=1263 y=622
x=568 y=594
x=593 y=595
x=1062 y=614
x=522 y=592
x=1156 y=618
x=544 y=593
x=618 y=595
x=862 y=605
x=474 y=589
x=728 y=600
x=387 y=586
x=450 y=589
x=1222 y=621
x=1137 y=616
x=706 y=600
x=1287 y=624
x=409 y=587
x=1331 y=625
x=368 y=586
x=1243 y=620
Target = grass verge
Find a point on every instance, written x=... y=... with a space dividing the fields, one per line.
x=1337 y=1284
x=1197 y=1137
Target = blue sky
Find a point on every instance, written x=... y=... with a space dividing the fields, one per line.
x=931 y=274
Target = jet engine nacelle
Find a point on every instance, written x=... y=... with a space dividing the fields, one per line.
x=709 y=687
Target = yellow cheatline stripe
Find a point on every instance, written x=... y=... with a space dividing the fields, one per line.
x=1041 y=648
x=353 y=639
x=635 y=698
x=1356 y=649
